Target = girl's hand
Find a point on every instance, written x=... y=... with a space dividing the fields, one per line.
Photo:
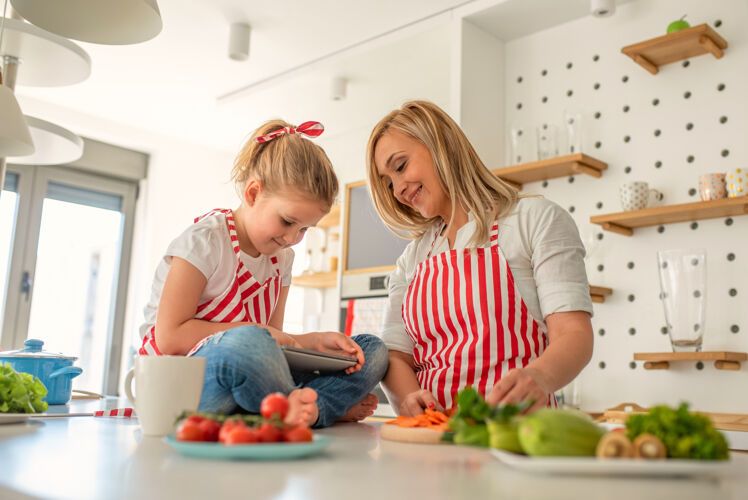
x=335 y=343
x=283 y=338
x=518 y=385
x=416 y=401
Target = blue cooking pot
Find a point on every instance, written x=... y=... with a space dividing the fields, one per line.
x=54 y=370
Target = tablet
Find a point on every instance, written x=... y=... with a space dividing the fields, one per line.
x=307 y=360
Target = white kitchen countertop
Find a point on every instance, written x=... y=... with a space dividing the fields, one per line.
x=109 y=458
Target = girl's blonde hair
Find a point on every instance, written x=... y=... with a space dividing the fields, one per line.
x=462 y=174
x=288 y=161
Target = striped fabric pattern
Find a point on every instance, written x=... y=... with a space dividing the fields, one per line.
x=245 y=300
x=468 y=321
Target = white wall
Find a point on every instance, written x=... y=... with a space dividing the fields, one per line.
x=634 y=303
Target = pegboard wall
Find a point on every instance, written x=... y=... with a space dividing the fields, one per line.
x=667 y=130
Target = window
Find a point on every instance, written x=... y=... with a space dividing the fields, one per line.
x=64 y=260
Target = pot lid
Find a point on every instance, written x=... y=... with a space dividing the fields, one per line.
x=33 y=349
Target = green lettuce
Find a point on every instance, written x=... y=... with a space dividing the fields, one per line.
x=685 y=434
x=20 y=392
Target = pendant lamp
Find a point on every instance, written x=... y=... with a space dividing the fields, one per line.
x=15 y=138
x=55 y=145
x=109 y=22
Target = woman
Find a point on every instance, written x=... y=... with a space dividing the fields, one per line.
x=492 y=292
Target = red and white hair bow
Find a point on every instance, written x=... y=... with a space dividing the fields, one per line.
x=309 y=129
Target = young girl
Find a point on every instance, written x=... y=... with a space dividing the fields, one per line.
x=493 y=291
x=220 y=291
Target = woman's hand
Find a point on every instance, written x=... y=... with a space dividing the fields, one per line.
x=414 y=403
x=520 y=384
x=334 y=343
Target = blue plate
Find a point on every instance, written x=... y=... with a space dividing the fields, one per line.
x=253 y=451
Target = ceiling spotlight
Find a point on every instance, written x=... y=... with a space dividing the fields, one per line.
x=602 y=8
x=338 y=88
x=239 y=41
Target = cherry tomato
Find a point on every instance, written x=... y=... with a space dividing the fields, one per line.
x=275 y=403
x=190 y=431
x=195 y=418
x=299 y=434
x=227 y=427
x=268 y=433
x=210 y=429
x=241 y=435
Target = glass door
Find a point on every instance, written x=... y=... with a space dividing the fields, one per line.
x=68 y=266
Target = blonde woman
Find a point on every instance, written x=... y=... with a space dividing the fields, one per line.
x=492 y=292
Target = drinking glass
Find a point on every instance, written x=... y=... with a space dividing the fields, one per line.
x=683 y=293
x=574 y=132
x=547 y=135
x=519 y=151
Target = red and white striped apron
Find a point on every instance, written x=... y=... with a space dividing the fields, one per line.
x=245 y=300
x=468 y=321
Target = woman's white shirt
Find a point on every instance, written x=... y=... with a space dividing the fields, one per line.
x=541 y=243
x=207 y=246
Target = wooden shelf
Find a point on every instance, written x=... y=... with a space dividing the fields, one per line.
x=551 y=168
x=683 y=44
x=598 y=293
x=317 y=280
x=723 y=360
x=332 y=219
x=625 y=222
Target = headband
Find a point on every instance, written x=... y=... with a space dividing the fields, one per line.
x=309 y=129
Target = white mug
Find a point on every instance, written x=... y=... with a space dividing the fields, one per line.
x=165 y=386
x=636 y=195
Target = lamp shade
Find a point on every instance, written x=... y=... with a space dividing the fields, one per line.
x=55 y=145
x=15 y=138
x=109 y=22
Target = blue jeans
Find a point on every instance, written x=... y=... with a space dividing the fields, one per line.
x=245 y=364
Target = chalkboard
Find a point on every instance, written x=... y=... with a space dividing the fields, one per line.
x=370 y=243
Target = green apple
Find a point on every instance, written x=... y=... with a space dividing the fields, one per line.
x=678 y=25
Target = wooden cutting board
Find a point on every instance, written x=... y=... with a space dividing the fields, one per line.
x=392 y=432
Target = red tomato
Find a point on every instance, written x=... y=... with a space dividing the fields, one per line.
x=227 y=427
x=190 y=431
x=241 y=435
x=299 y=434
x=268 y=433
x=210 y=429
x=195 y=418
x=275 y=403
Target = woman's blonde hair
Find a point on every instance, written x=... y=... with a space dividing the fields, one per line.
x=288 y=161
x=462 y=174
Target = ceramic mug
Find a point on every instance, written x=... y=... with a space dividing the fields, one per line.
x=636 y=195
x=712 y=186
x=165 y=386
x=737 y=182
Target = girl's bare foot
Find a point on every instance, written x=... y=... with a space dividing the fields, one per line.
x=362 y=409
x=302 y=407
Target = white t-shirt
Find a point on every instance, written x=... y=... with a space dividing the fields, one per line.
x=545 y=254
x=207 y=246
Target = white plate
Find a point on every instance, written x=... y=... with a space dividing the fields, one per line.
x=589 y=466
x=13 y=418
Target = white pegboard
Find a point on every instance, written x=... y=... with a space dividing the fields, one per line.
x=593 y=49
